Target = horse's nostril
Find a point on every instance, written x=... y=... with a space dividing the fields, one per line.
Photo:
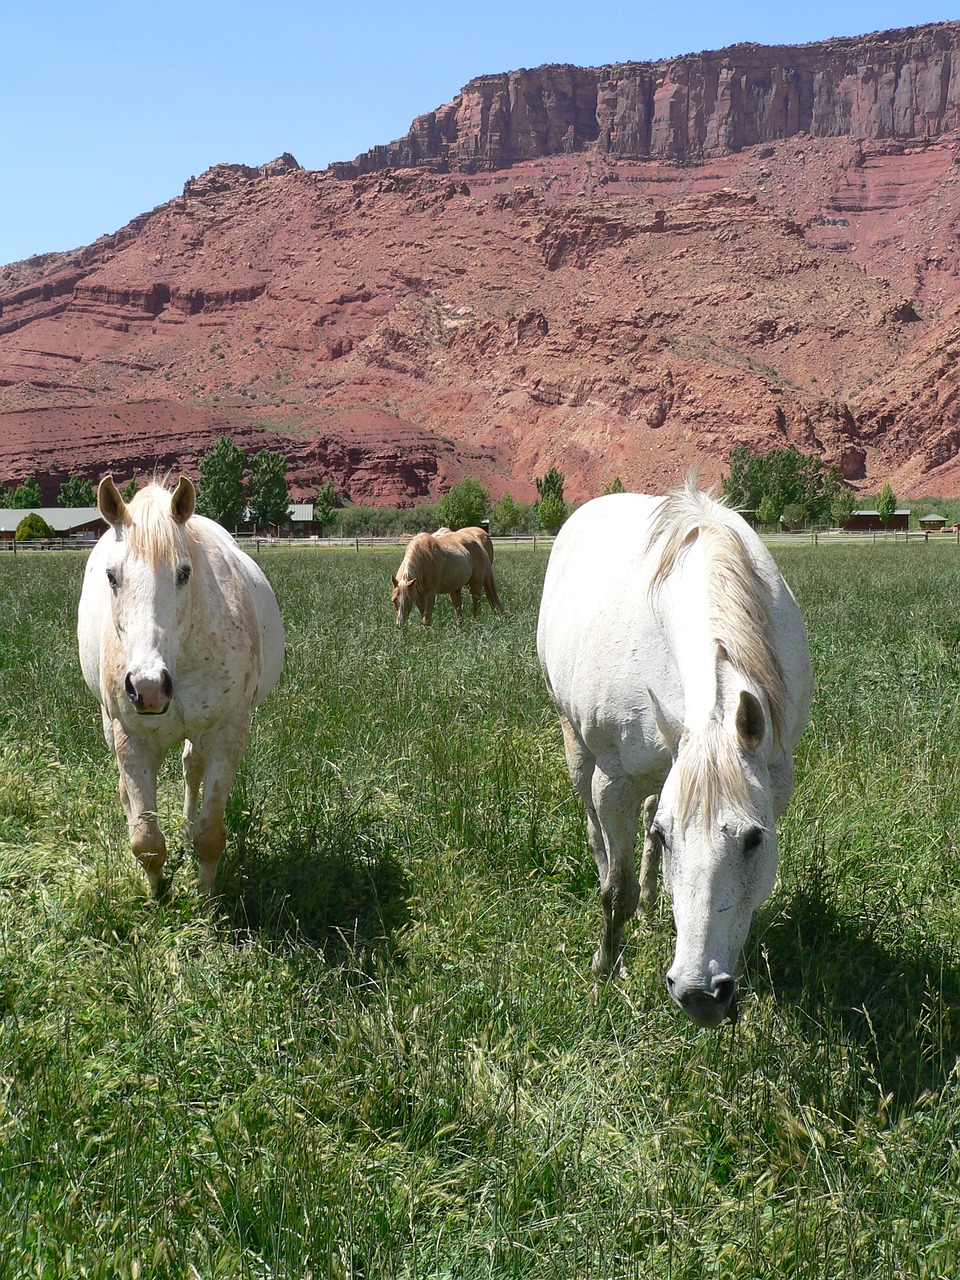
x=166 y=684
x=724 y=989
x=129 y=689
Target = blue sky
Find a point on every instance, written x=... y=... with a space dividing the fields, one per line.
x=107 y=108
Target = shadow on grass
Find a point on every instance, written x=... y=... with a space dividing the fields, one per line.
x=327 y=877
x=897 y=1000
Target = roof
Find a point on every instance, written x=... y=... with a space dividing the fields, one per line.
x=302 y=511
x=864 y=511
x=60 y=519
x=930 y=516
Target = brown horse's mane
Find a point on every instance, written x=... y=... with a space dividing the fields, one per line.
x=420 y=560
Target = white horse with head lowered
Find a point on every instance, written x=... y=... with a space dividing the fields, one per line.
x=678 y=661
x=180 y=638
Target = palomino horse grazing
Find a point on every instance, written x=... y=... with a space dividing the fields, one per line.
x=677 y=659
x=180 y=638
x=443 y=563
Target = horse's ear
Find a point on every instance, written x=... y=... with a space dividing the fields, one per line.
x=395 y=582
x=670 y=729
x=109 y=502
x=751 y=722
x=183 y=500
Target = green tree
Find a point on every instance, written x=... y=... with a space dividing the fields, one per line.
x=76 y=492
x=324 y=505
x=220 y=492
x=794 y=517
x=615 y=486
x=552 y=482
x=551 y=512
x=130 y=488
x=465 y=504
x=507 y=514
x=267 y=490
x=784 y=477
x=842 y=505
x=767 y=512
x=26 y=495
x=886 y=505
x=33 y=526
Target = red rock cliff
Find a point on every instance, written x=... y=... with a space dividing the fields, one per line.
x=901 y=85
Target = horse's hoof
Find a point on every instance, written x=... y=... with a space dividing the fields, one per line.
x=606 y=968
x=160 y=888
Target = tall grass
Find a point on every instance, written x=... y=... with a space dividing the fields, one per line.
x=382 y=1055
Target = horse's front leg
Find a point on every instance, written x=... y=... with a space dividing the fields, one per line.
x=217 y=761
x=616 y=803
x=650 y=860
x=429 y=600
x=193 y=764
x=138 y=764
x=457 y=598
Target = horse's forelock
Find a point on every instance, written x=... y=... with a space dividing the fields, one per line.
x=151 y=529
x=709 y=776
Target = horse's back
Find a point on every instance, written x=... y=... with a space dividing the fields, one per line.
x=475 y=533
x=245 y=573
x=595 y=621
x=597 y=577
x=472 y=543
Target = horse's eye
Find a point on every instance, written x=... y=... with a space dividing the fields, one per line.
x=752 y=839
x=183 y=574
x=112 y=579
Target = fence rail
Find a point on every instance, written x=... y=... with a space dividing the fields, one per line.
x=534 y=540
x=252 y=541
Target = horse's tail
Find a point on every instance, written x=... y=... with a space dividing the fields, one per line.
x=490 y=587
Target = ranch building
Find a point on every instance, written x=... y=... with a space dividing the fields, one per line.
x=82 y=524
x=933 y=522
x=870 y=522
x=299 y=522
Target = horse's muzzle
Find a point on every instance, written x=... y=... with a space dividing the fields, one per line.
x=150 y=696
x=707 y=1007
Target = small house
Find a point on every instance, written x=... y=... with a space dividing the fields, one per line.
x=301 y=519
x=933 y=522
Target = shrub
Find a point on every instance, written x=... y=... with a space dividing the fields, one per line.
x=33 y=526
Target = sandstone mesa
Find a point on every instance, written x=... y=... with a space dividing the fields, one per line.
x=616 y=271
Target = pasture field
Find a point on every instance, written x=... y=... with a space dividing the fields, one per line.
x=382 y=1054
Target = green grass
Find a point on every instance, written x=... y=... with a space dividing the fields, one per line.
x=383 y=1055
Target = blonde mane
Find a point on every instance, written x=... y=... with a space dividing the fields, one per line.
x=151 y=530
x=740 y=625
x=421 y=556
